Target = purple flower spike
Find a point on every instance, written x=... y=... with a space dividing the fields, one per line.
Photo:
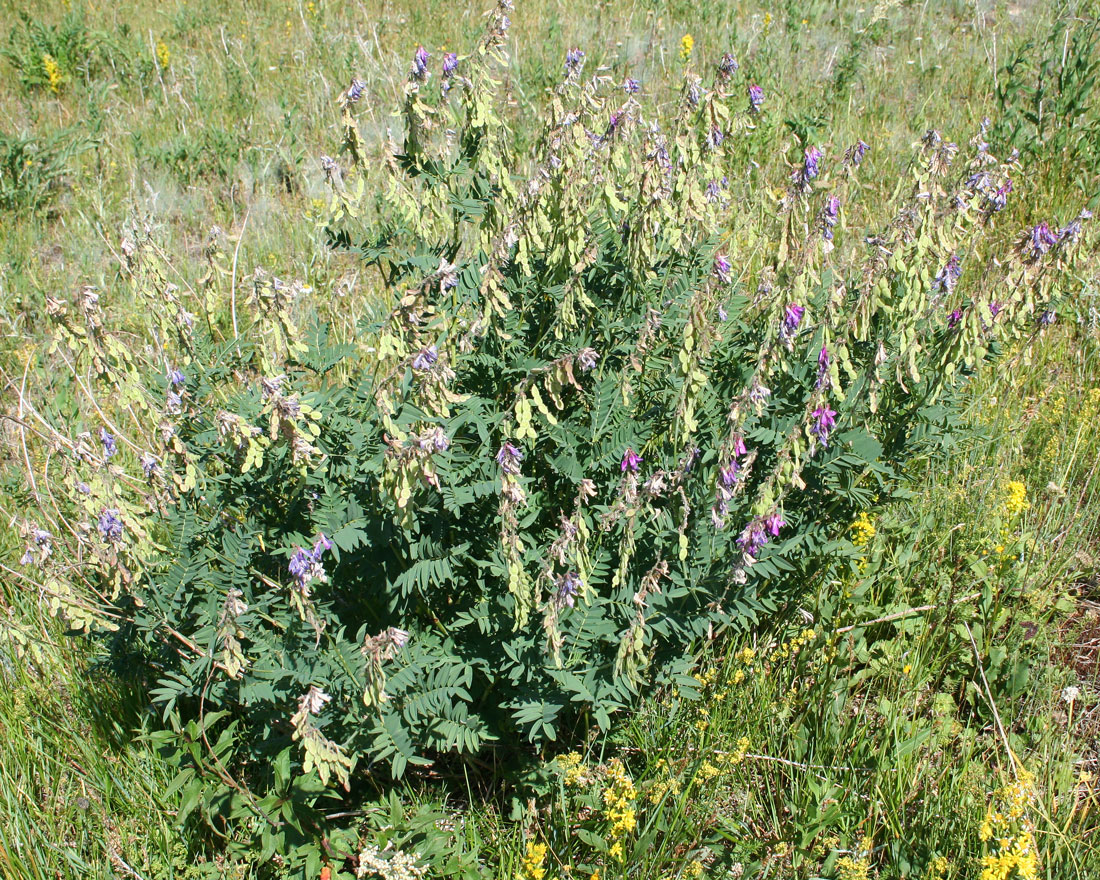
x=948 y=276
x=756 y=98
x=823 y=362
x=727 y=475
x=110 y=526
x=420 y=64
x=773 y=522
x=631 y=461
x=574 y=61
x=631 y=86
x=722 y=268
x=792 y=318
x=810 y=165
x=753 y=538
x=830 y=214
x=727 y=66
x=855 y=153
x=355 y=90
x=108 y=441
x=954 y=318
x=450 y=64
x=824 y=422
x=149 y=465
x=509 y=458
x=426 y=359
x=1039 y=241
x=737 y=445
x=568 y=587
x=176 y=378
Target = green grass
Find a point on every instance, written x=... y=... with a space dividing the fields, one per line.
x=881 y=744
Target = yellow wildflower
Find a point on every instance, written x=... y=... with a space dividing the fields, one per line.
x=618 y=798
x=1016 y=498
x=848 y=868
x=164 y=56
x=575 y=771
x=533 y=862
x=863 y=530
x=687 y=43
x=939 y=866
x=54 y=76
x=746 y=655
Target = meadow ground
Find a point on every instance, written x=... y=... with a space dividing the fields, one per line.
x=919 y=717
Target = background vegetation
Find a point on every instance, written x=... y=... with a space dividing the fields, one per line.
x=869 y=729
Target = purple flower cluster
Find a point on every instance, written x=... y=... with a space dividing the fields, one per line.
x=631 y=461
x=631 y=86
x=824 y=422
x=855 y=153
x=419 y=70
x=792 y=318
x=759 y=532
x=110 y=525
x=450 y=65
x=149 y=465
x=509 y=457
x=830 y=214
x=176 y=378
x=433 y=440
x=1040 y=240
x=426 y=359
x=715 y=138
x=568 y=586
x=587 y=358
x=756 y=98
x=729 y=475
x=305 y=565
x=355 y=90
x=954 y=318
x=574 y=61
x=727 y=66
x=108 y=441
x=722 y=268
x=948 y=276
x=823 y=361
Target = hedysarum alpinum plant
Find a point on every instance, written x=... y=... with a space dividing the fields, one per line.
x=615 y=395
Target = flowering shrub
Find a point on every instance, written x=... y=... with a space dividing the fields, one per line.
x=614 y=397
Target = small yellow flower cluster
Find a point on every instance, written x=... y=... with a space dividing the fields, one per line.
x=848 y=868
x=939 y=866
x=658 y=790
x=695 y=869
x=1016 y=498
x=1010 y=833
x=575 y=771
x=863 y=530
x=54 y=76
x=746 y=656
x=618 y=799
x=164 y=56
x=534 y=862
x=687 y=43
x=791 y=648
